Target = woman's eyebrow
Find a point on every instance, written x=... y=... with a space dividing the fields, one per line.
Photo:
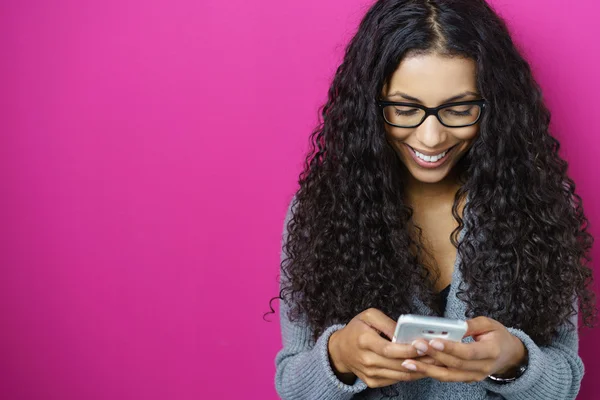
x=451 y=99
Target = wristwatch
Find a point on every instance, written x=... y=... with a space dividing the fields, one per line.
x=513 y=374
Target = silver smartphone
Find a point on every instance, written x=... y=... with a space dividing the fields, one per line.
x=411 y=327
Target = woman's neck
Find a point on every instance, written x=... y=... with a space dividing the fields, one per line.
x=419 y=194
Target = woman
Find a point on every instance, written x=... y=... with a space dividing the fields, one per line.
x=434 y=175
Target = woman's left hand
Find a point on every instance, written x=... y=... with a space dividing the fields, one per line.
x=494 y=352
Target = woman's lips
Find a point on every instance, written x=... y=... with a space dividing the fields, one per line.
x=428 y=164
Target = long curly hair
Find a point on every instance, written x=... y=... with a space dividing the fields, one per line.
x=349 y=245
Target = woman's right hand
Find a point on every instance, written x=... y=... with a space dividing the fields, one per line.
x=358 y=350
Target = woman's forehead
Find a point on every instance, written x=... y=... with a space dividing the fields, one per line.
x=432 y=77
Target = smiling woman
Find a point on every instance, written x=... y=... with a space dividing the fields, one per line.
x=432 y=80
x=434 y=174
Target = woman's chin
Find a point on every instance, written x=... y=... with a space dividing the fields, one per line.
x=427 y=175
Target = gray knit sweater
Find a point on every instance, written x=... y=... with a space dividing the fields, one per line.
x=304 y=372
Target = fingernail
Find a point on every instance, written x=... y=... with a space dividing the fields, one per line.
x=408 y=365
x=437 y=345
x=419 y=352
x=420 y=346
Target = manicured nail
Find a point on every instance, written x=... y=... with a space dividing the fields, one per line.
x=437 y=345
x=408 y=365
x=420 y=346
x=419 y=352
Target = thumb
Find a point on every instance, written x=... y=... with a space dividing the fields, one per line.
x=379 y=322
x=480 y=325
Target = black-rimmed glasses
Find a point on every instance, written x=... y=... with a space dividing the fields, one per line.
x=452 y=115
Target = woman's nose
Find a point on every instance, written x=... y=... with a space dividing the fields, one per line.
x=431 y=133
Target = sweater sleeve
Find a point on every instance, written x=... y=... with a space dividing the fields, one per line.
x=554 y=371
x=303 y=370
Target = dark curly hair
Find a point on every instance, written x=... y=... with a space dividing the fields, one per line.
x=349 y=245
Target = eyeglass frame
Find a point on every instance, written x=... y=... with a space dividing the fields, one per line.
x=432 y=111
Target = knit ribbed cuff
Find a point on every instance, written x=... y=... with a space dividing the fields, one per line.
x=334 y=387
x=554 y=374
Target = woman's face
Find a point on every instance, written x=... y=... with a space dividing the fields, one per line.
x=431 y=80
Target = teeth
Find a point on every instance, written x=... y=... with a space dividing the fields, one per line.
x=430 y=158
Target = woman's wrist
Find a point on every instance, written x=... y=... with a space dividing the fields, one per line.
x=339 y=369
x=516 y=368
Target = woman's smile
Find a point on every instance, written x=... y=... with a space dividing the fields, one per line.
x=433 y=161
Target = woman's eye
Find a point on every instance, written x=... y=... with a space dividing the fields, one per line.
x=406 y=111
x=459 y=112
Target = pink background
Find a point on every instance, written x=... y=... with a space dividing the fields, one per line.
x=149 y=150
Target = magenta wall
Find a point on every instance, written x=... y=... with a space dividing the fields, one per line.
x=149 y=150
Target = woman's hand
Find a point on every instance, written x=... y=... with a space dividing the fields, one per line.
x=495 y=351
x=359 y=350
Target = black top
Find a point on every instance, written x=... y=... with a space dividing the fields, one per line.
x=444 y=297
